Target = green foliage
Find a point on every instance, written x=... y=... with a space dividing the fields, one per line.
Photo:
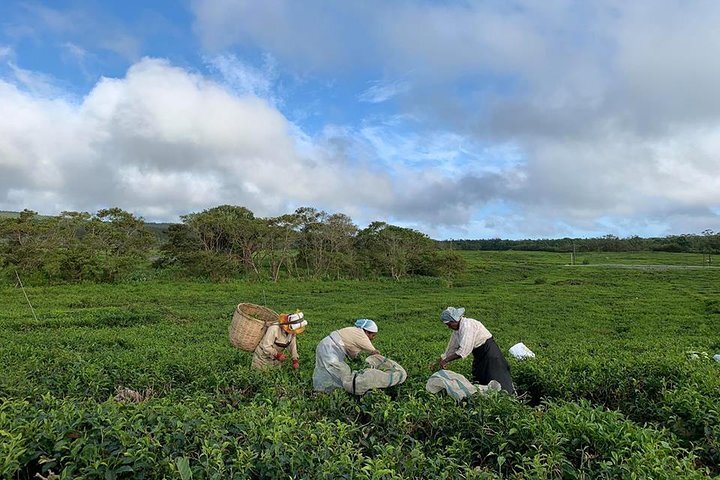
x=707 y=242
x=325 y=243
x=226 y=242
x=74 y=246
x=611 y=394
x=393 y=251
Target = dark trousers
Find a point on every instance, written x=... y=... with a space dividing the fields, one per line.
x=490 y=364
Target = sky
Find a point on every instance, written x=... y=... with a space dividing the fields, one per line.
x=462 y=119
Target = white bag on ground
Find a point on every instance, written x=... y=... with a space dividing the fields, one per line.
x=383 y=373
x=520 y=351
x=456 y=385
x=717 y=357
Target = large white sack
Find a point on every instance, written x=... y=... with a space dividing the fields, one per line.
x=456 y=385
x=383 y=373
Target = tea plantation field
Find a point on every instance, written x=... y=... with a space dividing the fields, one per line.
x=613 y=392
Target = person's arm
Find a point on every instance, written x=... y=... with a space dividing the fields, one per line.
x=447 y=359
x=294 y=354
x=367 y=346
x=449 y=351
x=293 y=348
x=451 y=346
x=370 y=348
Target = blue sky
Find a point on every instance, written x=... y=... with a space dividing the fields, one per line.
x=512 y=119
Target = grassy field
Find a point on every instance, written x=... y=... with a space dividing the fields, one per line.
x=612 y=392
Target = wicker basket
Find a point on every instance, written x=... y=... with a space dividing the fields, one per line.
x=248 y=325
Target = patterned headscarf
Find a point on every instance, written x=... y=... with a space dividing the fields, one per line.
x=452 y=314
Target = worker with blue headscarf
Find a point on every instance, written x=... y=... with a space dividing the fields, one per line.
x=471 y=336
x=330 y=354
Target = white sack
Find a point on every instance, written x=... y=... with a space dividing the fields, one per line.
x=456 y=385
x=383 y=373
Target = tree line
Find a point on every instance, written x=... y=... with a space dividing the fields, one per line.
x=229 y=241
x=219 y=243
x=708 y=242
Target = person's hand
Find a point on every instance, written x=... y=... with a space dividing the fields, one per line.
x=280 y=357
x=435 y=365
x=296 y=363
x=442 y=363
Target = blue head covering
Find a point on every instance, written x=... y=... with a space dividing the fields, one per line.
x=366 y=324
x=451 y=314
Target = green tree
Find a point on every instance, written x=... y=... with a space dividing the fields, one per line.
x=228 y=230
x=394 y=251
x=76 y=246
x=277 y=242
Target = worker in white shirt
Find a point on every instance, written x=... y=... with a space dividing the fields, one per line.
x=468 y=336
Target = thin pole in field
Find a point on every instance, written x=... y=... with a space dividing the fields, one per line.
x=26 y=297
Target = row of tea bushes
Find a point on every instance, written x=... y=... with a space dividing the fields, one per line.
x=332 y=436
x=681 y=396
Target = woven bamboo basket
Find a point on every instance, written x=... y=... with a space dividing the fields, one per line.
x=248 y=325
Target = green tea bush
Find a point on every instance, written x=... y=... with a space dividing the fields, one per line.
x=611 y=394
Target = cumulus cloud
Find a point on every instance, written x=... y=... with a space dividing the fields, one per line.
x=162 y=141
x=610 y=107
x=522 y=118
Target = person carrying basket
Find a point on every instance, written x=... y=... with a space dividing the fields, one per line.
x=278 y=338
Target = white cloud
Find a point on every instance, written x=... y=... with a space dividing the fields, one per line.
x=305 y=34
x=162 y=142
x=380 y=92
x=584 y=116
x=35 y=82
x=245 y=79
x=85 y=29
x=610 y=108
x=76 y=52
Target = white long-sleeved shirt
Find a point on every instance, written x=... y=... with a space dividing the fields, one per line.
x=468 y=337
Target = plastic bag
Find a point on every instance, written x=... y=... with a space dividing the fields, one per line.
x=520 y=351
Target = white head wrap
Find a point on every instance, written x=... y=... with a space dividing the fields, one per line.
x=366 y=324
